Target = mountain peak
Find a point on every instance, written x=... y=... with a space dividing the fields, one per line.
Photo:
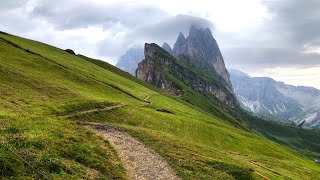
x=238 y=73
x=198 y=31
x=193 y=29
x=181 y=36
x=167 y=47
x=179 y=46
x=150 y=50
x=203 y=50
x=181 y=39
x=165 y=44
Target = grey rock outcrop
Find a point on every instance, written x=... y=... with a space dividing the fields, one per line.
x=263 y=95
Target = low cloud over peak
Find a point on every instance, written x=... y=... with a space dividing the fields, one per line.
x=165 y=30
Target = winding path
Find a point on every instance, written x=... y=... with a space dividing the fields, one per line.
x=91 y=111
x=140 y=162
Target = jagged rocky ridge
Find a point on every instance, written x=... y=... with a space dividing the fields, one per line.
x=263 y=95
x=203 y=50
x=199 y=51
x=163 y=70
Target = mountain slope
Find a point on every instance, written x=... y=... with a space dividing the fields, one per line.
x=40 y=83
x=267 y=96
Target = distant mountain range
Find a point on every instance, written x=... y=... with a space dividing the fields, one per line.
x=198 y=55
x=129 y=61
x=265 y=96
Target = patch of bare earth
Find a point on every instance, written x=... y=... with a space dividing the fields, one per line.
x=140 y=162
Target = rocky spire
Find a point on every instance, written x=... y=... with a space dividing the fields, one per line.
x=203 y=51
x=167 y=47
x=179 y=46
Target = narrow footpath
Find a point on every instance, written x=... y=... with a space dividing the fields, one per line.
x=140 y=162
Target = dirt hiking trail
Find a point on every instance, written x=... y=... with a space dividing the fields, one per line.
x=140 y=162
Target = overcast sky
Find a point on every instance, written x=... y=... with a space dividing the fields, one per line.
x=275 y=38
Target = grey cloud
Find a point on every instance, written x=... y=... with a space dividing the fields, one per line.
x=14 y=18
x=278 y=42
x=296 y=17
x=11 y=4
x=281 y=40
x=166 y=30
x=61 y=15
x=255 y=58
x=84 y=14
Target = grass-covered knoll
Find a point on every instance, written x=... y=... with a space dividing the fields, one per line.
x=38 y=83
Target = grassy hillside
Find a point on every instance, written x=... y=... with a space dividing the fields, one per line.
x=306 y=142
x=39 y=83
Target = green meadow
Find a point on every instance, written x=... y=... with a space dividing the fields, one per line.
x=39 y=83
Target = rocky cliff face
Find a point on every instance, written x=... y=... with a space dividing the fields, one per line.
x=267 y=96
x=129 y=61
x=199 y=50
x=164 y=71
x=203 y=50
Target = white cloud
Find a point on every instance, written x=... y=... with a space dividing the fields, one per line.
x=227 y=15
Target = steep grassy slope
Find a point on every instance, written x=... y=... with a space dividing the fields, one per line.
x=304 y=141
x=39 y=83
